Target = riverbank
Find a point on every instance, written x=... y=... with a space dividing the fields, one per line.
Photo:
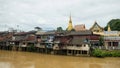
x=105 y=53
x=93 y=53
x=51 y=51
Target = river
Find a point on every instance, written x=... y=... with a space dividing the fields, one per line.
x=12 y=59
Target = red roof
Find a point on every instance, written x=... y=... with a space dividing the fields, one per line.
x=80 y=27
x=31 y=38
x=5 y=37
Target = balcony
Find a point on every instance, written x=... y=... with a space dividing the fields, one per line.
x=40 y=46
x=56 y=41
x=78 y=48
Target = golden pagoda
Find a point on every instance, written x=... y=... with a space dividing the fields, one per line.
x=109 y=29
x=70 y=26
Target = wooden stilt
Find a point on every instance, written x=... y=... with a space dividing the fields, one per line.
x=13 y=48
x=19 y=49
x=67 y=52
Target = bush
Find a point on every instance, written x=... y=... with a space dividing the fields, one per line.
x=31 y=48
x=98 y=53
x=116 y=53
x=103 y=53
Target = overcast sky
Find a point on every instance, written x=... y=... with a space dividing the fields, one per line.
x=50 y=14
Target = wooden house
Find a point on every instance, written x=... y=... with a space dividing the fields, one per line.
x=5 y=38
x=45 y=40
x=23 y=40
x=77 y=43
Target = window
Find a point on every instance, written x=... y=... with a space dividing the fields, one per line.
x=77 y=46
x=84 y=45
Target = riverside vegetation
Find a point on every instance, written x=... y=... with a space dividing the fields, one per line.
x=105 y=53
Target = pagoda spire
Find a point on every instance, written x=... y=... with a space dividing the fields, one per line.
x=70 y=21
x=109 y=29
x=70 y=26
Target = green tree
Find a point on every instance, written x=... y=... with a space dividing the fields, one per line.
x=114 y=24
x=101 y=41
x=73 y=30
x=70 y=30
x=38 y=28
x=59 y=29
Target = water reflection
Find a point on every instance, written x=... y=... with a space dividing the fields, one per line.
x=11 y=59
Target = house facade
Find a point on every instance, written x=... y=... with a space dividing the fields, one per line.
x=112 y=40
x=76 y=43
x=45 y=41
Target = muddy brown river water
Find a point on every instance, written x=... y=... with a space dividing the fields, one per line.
x=12 y=59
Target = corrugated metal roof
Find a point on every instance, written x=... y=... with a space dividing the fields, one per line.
x=78 y=41
x=86 y=32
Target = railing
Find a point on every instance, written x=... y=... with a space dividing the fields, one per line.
x=114 y=48
x=23 y=45
x=108 y=47
x=112 y=38
x=63 y=47
x=40 y=46
x=77 y=48
x=56 y=41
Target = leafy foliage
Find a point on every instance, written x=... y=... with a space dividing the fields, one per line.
x=103 y=53
x=101 y=41
x=97 y=53
x=114 y=24
x=31 y=48
x=38 y=28
x=59 y=29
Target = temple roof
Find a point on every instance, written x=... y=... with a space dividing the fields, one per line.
x=80 y=27
x=96 y=24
